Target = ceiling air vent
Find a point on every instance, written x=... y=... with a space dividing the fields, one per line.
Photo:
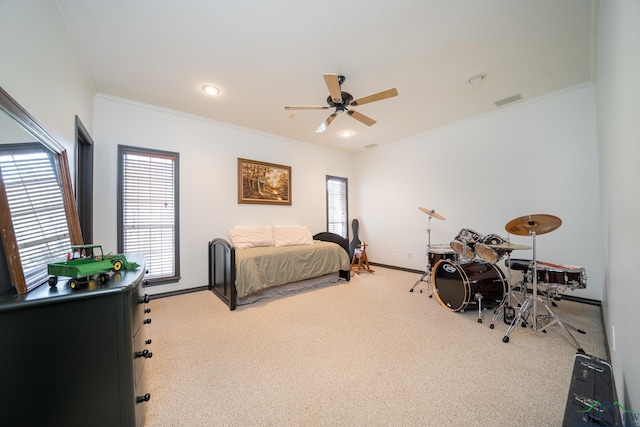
x=508 y=100
x=371 y=145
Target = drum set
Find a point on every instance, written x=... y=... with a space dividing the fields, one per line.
x=465 y=273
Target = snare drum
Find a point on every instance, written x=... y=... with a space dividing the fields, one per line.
x=439 y=252
x=487 y=253
x=457 y=284
x=568 y=276
x=465 y=242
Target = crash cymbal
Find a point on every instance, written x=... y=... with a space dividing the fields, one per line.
x=510 y=246
x=432 y=213
x=539 y=223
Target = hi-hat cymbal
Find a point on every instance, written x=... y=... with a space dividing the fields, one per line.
x=539 y=223
x=510 y=246
x=432 y=213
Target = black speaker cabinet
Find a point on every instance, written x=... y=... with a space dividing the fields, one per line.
x=592 y=394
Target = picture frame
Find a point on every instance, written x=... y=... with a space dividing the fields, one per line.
x=263 y=183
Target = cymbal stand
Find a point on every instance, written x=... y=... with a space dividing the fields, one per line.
x=427 y=272
x=532 y=301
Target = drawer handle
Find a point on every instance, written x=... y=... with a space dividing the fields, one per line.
x=142 y=399
x=144 y=353
x=146 y=321
x=144 y=299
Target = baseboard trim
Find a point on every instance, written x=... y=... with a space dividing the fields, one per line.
x=393 y=267
x=565 y=297
x=180 y=292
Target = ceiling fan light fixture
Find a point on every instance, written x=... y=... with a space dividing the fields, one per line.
x=346 y=133
x=477 y=78
x=211 y=90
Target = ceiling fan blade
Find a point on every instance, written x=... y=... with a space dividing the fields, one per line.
x=361 y=118
x=333 y=84
x=326 y=123
x=389 y=93
x=304 y=107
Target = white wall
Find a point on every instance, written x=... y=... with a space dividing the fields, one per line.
x=208 y=177
x=618 y=88
x=538 y=157
x=41 y=69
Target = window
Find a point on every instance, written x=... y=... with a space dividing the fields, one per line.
x=148 y=210
x=337 y=206
x=36 y=205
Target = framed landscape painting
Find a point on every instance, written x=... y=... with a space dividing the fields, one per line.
x=263 y=183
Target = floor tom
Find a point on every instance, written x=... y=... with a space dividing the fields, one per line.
x=439 y=252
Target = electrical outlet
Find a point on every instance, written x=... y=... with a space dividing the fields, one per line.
x=395 y=252
x=410 y=254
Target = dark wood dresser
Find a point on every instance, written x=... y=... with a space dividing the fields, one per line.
x=76 y=357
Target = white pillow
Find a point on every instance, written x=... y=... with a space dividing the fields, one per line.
x=251 y=237
x=292 y=236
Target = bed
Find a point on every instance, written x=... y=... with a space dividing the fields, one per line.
x=241 y=275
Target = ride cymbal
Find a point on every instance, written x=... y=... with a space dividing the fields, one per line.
x=432 y=213
x=539 y=223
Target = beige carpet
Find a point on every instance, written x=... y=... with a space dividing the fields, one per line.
x=362 y=353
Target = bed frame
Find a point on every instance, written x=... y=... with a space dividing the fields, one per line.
x=222 y=266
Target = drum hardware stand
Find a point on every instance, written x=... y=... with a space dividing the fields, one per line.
x=505 y=305
x=478 y=297
x=532 y=301
x=431 y=213
x=464 y=250
x=427 y=272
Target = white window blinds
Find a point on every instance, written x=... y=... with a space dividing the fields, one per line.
x=337 y=209
x=37 y=210
x=149 y=209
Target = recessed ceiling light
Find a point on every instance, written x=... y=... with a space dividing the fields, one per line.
x=346 y=133
x=477 y=78
x=210 y=90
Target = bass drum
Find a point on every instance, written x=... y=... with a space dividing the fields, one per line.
x=459 y=284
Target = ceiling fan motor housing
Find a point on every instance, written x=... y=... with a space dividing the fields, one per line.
x=341 y=107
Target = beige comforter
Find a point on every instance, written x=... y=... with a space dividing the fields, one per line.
x=264 y=267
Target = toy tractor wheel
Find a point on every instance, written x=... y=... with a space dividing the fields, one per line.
x=103 y=278
x=117 y=265
x=53 y=281
x=74 y=284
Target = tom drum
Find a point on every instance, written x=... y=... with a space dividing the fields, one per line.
x=459 y=284
x=465 y=242
x=487 y=253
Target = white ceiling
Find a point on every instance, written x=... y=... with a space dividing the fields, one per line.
x=265 y=54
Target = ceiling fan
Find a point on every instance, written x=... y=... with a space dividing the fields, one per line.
x=342 y=100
